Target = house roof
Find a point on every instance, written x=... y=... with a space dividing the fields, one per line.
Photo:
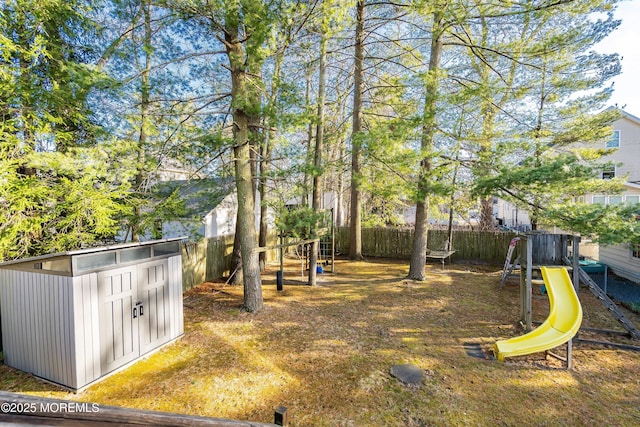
x=625 y=114
x=200 y=195
x=631 y=117
x=633 y=184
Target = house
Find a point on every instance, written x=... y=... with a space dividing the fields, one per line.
x=623 y=259
x=509 y=215
x=211 y=207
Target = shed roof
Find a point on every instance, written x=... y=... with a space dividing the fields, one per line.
x=82 y=261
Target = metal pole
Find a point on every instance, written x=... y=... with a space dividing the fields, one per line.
x=333 y=242
x=576 y=263
x=280 y=274
x=576 y=286
x=528 y=287
x=525 y=284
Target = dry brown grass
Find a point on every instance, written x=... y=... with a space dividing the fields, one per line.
x=326 y=352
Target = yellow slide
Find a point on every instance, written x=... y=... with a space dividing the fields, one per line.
x=565 y=317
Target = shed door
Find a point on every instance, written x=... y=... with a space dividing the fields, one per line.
x=119 y=339
x=153 y=292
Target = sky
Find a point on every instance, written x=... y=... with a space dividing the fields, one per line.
x=625 y=40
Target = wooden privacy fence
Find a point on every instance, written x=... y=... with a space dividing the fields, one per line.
x=206 y=259
x=481 y=246
x=210 y=259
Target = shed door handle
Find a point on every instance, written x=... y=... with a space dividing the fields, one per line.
x=135 y=312
x=141 y=313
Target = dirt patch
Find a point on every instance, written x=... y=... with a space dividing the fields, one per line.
x=326 y=353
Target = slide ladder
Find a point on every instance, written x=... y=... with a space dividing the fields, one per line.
x=563 y=322
x=611 y=306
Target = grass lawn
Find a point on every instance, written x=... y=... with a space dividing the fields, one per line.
x=326 y=353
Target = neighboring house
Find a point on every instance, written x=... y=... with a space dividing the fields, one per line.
x=508 y=215
x=623 y=259
x=211 y=209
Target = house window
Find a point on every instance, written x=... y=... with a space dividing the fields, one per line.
x=632 y=200
x=615 y=200
x=599 y=200
x=609 y=172
x=614 y=142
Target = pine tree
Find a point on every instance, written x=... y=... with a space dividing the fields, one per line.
x=565 y=86
x=61 y=186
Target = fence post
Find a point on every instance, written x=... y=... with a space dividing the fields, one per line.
x=281 y=416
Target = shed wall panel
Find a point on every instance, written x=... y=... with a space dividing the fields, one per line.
x=86 y=329
x=33 y=309
x=175 y=296
x=119 y=342
x=153 y=293
x=69 y=362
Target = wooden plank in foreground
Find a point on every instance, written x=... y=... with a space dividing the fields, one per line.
x=18 y=409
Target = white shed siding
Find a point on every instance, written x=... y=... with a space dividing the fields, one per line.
x=36 y=325
x=52 y=323
x=619 y=258
x=175 y=296
x=86 y=321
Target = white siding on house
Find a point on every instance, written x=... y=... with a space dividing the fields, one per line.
x=173 y=229
x=619 y=258
x=630 y=195
x=221 y=221
x=511 y=216
x=628 y=154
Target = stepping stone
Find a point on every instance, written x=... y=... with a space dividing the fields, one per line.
x=408 y=374
x=474 y=350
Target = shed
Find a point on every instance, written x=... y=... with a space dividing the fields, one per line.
x=74 y=317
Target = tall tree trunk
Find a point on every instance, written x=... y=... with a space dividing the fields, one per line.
x=265 y=159
x=489 y=109
x=452 y=199
x=537 y=137
x=486 y=139
x=487 y=222
x=419 y=251
x=307 y=99
x=246 y=225
x=265 y=154
x=144 y=119
x=317 y=159
x=355 y=226
x=339 y=215
x=28 y=139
